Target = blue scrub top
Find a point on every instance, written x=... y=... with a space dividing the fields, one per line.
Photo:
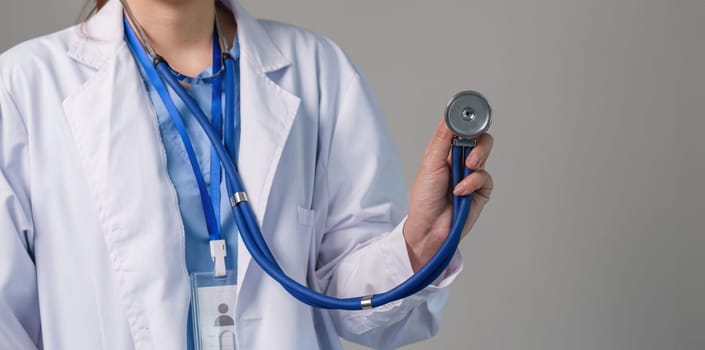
x=198 y=257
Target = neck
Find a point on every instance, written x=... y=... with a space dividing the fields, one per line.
x=181 y=31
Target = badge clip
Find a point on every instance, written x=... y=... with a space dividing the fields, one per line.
x=218 y=254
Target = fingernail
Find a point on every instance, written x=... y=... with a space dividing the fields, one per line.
x=474 y=160
x=458 y=190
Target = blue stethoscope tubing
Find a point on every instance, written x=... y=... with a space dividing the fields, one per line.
x=160 y=75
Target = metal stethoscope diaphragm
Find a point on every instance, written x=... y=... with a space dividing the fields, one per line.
x=468 y=115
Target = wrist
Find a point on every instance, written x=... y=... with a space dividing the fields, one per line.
x=414 y=246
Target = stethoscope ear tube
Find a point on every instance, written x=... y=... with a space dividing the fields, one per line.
x=254 y=242
x=252 y=236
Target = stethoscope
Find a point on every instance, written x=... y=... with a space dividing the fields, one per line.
x=467 y=116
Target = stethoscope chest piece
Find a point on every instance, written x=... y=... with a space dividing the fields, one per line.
x=468 y=114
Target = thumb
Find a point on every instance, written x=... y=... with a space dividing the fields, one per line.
x=436 y=154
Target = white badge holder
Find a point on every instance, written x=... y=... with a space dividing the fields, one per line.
x=213 y=300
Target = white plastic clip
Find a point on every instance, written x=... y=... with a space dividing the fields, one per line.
x=218 y=254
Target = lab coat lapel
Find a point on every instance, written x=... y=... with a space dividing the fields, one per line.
x=267 y=115
x=122 y=158
x=116 y=133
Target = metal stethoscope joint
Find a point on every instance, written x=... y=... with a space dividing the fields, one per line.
x=468 y=115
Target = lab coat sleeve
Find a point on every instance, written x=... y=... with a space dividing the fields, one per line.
x=363 y=250
x=19 y=310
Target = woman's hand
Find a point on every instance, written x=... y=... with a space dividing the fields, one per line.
x=431 y=206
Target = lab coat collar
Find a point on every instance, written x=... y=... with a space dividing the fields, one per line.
x=99 y=38
x=95 y=111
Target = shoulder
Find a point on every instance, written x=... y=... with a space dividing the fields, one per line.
x=308 y=47
x=41 y=50
x=39 y=56
x=42 y=69
x=286 y=33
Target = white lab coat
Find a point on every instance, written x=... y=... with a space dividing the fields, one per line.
x=91 y=241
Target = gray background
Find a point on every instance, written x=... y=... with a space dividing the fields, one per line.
x=594 y=237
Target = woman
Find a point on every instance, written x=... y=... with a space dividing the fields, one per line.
x=101 y=218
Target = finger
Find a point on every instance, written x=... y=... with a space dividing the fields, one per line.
x=479 y=179
x=436 y=154
x=479 y=154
